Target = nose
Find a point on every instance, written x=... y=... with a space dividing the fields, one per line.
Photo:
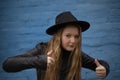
x=72 y=39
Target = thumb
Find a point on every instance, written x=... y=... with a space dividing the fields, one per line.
x=97 y=63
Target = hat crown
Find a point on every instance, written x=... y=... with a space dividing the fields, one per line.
x=65 y=17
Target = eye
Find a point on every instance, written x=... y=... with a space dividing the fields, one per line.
x=77 y=36
x=68 y=35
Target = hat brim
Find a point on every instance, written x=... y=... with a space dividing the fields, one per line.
x=53 y=29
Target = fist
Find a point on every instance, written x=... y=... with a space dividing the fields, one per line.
x=50 y=60
x=100 y=70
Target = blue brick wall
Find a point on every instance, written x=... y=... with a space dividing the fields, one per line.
x=23 y=24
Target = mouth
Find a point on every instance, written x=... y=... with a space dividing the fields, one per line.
x=71 y=46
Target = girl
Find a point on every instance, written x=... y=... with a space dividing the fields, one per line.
x=61 y=58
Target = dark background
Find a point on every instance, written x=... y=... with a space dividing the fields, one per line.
x=23 y=24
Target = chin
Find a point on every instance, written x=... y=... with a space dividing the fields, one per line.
x=70 y=49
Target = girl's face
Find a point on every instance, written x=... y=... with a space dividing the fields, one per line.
x=70 y=37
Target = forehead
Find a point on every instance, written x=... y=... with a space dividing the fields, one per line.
x=71 y=29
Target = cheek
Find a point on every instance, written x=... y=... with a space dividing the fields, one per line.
x=64 y=42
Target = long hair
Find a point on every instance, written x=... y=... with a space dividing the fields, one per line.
x=54 y=44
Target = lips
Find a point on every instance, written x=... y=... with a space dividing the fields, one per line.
x=71 y=46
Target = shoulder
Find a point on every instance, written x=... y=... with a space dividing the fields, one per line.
x=41 y=45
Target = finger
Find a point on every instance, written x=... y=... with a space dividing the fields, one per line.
x=97 y=63
x=101 y=74
x=100 y=68
x=50 y=60
x=49 y=53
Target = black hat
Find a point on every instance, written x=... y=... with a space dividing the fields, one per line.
x=66 y=18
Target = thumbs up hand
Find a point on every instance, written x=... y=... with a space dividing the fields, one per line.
x=50 y=60
x=100 y=70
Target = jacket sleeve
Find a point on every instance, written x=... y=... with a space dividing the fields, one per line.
x=30 y=59
x=89 y=62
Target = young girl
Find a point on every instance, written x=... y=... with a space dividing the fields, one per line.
x=61 y=58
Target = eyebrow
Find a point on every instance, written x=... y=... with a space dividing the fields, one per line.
x=70 y=33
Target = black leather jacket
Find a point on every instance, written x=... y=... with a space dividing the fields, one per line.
x=36 y=58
